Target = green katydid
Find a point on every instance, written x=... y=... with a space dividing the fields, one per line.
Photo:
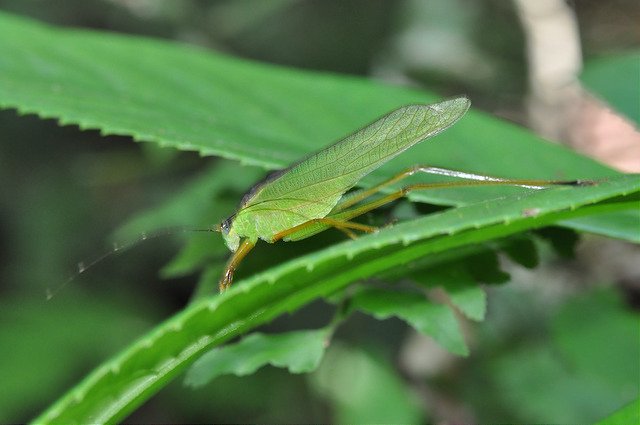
x=309 y=196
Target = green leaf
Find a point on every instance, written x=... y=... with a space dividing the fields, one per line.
x=591 y=368
x=485 y=267
x=523 y=251
x=181 y=96
x=630 y=414
x=299 y=352
x=463 y=290
x=620 y=224
x=66 y=329
x=199 y=250
x=191 y=99
x=208 y=282
x=119 y=385
x=563 y=241
x=434 y=320
x=614 y=361
x=193 y=203
x=615 y=78
x=541 y=389
x=364 y=389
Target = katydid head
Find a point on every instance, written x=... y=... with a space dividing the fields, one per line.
x=231 y=237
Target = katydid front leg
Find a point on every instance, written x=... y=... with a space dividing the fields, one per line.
x=232 y=264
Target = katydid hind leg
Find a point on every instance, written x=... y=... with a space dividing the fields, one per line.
x=528 y=183
x=361 y=195
x=471 y=179
x=364 y=208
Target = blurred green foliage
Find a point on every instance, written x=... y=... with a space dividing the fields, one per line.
x=64 y=192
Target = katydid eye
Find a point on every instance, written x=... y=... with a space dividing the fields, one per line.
x=226 y=225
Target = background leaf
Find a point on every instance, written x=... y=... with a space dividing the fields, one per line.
x=364 y=389
x=615 y=363
x=626 y=415
x=538 y=381
x=434 y=320
x=200 y=110
x=299 y=352
x=461 y=287
x=75 y=325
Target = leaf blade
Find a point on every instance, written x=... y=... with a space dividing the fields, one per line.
x=121 y=384
x=298 y=351
x=431 y=319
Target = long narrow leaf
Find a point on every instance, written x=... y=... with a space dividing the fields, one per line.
x=119 y=385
